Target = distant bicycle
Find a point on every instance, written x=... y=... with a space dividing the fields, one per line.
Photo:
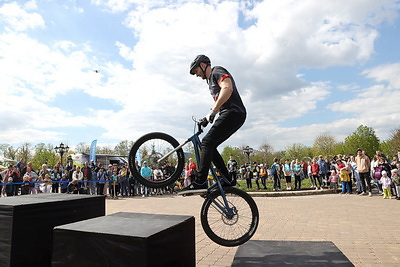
x=229 y=216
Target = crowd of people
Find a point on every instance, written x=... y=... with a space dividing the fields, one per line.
x=343 y=172
x=95 y=179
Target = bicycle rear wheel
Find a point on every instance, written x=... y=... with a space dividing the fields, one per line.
x=152 y=147
x=232 y=231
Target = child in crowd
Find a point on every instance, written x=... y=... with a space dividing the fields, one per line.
x=26 y=185
x=9 y=188
x=386 y=183
x=47 y=184
x=333 y=179
x=345 y=179
x=73 y=187
x=396 y=182
x=64 y=183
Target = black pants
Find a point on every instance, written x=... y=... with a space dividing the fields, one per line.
x=227 y=124
x=100 y=189
x=277 y=181
x=365 y=177
x=248 y=182
x=297 y=182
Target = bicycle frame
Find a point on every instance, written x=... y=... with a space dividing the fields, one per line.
x=195 y=140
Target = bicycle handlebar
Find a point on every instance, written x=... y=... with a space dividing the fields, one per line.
x=201 y=124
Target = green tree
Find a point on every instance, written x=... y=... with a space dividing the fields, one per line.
x=266 y=152
x=324 y=144
x=365 y=138
x=297 y=151
x=24 y=152
x=228 y=150
x=123 y=148
x=393 y=144
x=8 y=151
x=44 y=155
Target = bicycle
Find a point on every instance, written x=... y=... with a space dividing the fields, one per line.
x=229 y=216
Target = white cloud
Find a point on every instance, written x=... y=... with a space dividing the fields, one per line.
x=389 y=73
x=18 y=19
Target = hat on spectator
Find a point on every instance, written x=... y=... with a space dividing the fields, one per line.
x=384 y=173
x=395 y=170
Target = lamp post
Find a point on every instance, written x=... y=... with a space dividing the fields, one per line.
x=61 y=150
x=248 y=150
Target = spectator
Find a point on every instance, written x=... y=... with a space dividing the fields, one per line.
x=25 y=187
x=304 y=167
x=256 y=174
x=33 y=177
x=114 y=184
x=315 y=174
x=46 y=186
x=333 y=179
x=124 y=181
x=78 y=176
x=396 y=182
x=93 y=181
x=287 y=172
x=274 y=172
x=263 y=176
x=9 y=188
x=356 y=175
x=64 y=182
x=87 y=177
x=313 y=185
x=56 y=177
x=363 y=168
x=192 y=171
x=232 y=170
x=101 y=180
x=386 y=185
x=248 y=175
x=73 y=187
x=297 y=172
x=344 y=178
x=323 y=170
x=146 y=173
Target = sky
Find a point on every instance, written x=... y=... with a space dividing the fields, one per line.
x=112 y=70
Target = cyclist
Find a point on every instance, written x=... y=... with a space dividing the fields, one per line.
x=232 y=115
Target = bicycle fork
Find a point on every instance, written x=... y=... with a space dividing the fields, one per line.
x=223 y=206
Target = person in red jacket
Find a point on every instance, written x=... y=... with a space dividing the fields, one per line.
x=315 y=174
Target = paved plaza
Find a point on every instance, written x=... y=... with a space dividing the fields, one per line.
x=365 y=229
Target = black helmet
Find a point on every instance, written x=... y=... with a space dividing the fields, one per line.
x=196 y=62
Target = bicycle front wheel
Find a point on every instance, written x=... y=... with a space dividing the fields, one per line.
x=151 y=148
x=235 y=229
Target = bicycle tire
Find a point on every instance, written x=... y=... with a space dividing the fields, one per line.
x=237 y=230
x=156 y=141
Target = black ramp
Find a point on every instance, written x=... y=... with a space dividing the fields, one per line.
x=126 y=239
x=293 y=253
x=27 y=222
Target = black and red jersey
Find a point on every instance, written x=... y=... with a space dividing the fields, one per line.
x=234 y=103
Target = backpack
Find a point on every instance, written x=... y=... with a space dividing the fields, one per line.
x=378 y=172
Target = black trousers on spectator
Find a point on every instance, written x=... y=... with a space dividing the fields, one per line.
x=100 y=189
x=365 y=177
x=297 y=182
x=248 y=182
x=277 y=182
